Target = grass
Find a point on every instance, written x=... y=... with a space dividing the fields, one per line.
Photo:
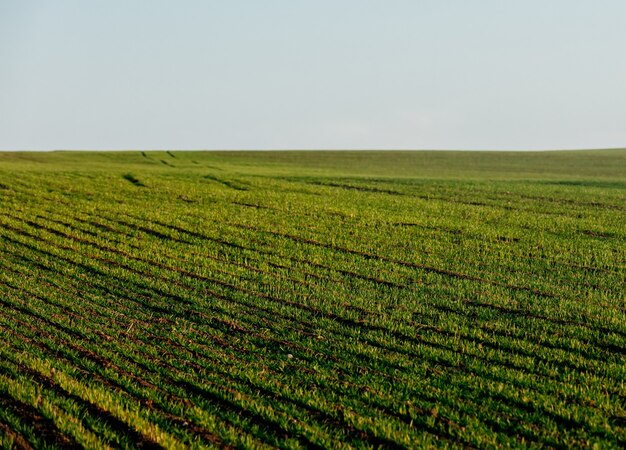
x=313 y=299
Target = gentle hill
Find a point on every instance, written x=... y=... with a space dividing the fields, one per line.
x=313 y=299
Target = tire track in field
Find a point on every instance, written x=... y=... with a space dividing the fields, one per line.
x=315 y=311
x=576 y=368
x=405 y=419
x=367 y=255
x=362 y=434
x=368 y=439
x=387 y=283
x=378 y=190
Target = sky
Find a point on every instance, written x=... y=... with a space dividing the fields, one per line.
x=316 y=74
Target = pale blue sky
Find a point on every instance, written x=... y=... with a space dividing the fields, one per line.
x=278 y=74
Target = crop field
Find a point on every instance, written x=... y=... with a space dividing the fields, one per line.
x=313 y=299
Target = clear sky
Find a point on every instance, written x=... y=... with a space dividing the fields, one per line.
x=279 y=74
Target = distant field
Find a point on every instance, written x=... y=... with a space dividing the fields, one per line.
x=313 y=299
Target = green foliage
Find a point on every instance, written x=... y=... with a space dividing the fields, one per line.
x=312 y=299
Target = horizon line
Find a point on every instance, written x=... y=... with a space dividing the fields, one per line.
x=310 y=149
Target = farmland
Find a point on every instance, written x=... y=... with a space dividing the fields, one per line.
x=312 y=299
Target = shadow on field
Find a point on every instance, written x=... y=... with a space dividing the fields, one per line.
x=227 y=183
x=131 y=178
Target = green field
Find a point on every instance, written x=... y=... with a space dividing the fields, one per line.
x=313 y=299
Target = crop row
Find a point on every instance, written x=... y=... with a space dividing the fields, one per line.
x=238 y=317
